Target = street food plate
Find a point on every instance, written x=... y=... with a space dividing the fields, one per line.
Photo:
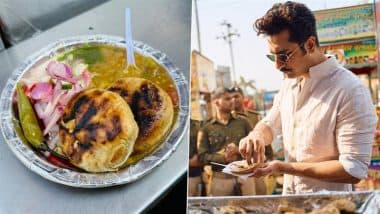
x=55 y=173
x=241 y=168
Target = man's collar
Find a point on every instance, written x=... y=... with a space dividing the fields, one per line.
x=243 y=112
x=323 y=70
x=215 y=120
x=318 y=72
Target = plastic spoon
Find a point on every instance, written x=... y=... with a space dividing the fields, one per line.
x=130 y=57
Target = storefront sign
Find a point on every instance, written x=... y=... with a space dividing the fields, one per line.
x=359 y=52
x=346 y=23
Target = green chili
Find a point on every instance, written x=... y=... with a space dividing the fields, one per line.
x=28 y=120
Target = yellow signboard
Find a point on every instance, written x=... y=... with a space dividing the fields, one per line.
x=203 y=77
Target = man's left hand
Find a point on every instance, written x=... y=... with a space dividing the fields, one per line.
x=269 y=168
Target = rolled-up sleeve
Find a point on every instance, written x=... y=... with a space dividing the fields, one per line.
x=356 y=123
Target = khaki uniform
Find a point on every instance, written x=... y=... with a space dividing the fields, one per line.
x=212 y=141
x=194 y=178
x=253 y=117
x=263 y=185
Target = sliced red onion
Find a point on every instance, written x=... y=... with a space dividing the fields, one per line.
x=53 y=120
x=86 y=76
x=39 y=108
x=41 y=91
x=51 y=106
x=57 y=88
x=60 y=71
x=67 y=96
x=60 y=107
x=51 y=100
x=46 y=121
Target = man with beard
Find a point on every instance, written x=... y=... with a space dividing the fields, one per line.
x=323 y=111
x=218 y=142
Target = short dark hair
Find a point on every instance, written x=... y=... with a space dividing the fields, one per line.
x=292 y=16
x=218 y=92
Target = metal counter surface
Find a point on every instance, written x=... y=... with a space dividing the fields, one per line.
x=366 y=202
x=162 y=24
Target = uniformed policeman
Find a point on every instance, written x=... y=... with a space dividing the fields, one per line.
x=195 y=170
x=218 y=142
x=253 y=118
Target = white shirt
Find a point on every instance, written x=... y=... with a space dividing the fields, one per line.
x=331 y=118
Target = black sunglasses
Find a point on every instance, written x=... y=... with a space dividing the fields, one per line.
x=283 y=57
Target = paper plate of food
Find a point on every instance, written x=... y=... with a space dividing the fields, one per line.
x=74 y=114
x=242 y=168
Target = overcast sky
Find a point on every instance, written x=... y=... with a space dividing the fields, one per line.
x=249 y=49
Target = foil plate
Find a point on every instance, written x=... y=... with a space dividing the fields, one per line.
x=69 y=177
x=367 y=202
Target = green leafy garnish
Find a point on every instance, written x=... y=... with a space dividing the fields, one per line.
x=89 y=54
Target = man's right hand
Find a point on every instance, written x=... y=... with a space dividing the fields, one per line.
x=253 y=147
